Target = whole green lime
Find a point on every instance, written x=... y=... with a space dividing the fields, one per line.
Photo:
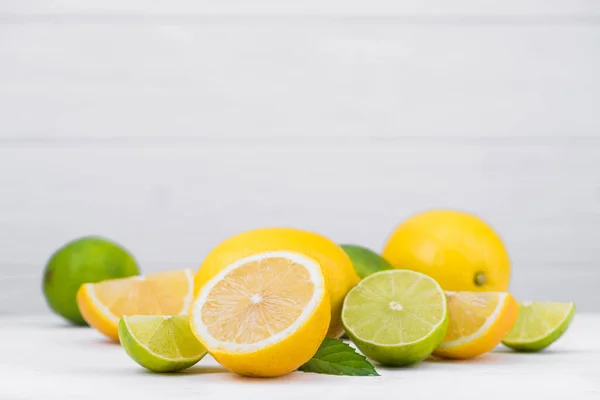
x=88 y=259
x=365 y=261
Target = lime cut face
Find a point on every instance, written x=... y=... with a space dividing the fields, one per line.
x=539 y=324
x=396 y=317
x=160 y=343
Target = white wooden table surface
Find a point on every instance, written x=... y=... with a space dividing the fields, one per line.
x=43 y=358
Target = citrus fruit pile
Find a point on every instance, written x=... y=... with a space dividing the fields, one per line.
x=271 y=301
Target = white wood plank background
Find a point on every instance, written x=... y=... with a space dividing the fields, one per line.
x=170 y=126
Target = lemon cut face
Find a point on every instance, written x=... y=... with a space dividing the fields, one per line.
x=478 y=321
x=265 y=307
x=102 y=304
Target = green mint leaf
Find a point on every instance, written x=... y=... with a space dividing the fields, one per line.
x=335 y=357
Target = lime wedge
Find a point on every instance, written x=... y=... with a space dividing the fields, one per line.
x=396 y=317
x=160 y=343
x=539 y=324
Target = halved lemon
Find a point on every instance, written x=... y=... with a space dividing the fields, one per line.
x=478 y=323
x=102 y=304
x=263 y=315
x=335 y=264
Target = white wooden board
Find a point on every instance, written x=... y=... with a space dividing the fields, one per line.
x=169 y=127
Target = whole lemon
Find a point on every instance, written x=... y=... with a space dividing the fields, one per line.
x=458 y=249
x=84 y=260
x=335 y=264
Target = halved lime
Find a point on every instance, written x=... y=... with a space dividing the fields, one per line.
x=396 y=317
x=160 y=343
x=539 y=324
